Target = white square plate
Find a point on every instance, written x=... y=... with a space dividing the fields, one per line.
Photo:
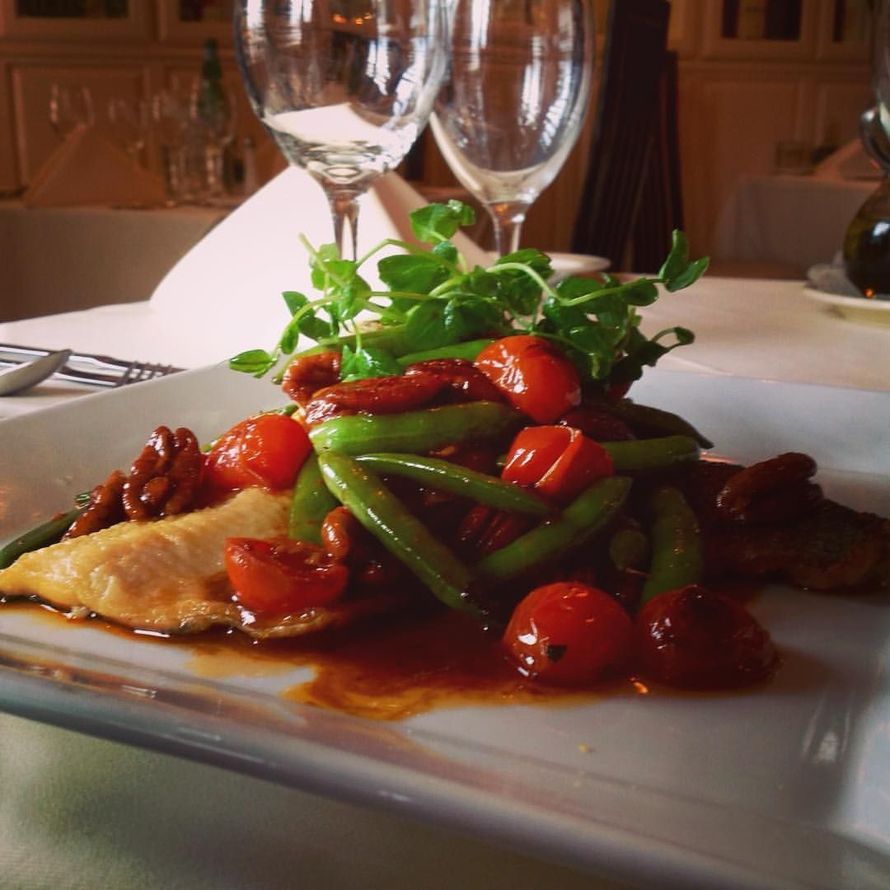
x=785 y=786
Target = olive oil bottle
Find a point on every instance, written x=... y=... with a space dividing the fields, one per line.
x=867 y=244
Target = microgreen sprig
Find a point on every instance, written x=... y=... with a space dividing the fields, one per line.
x=434 y=299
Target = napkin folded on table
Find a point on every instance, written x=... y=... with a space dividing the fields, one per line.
x=89 y=169
x=224 y=295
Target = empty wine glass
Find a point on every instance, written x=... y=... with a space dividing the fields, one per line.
x=345 y=87
x=69 y=108
x=128 y=121
x=515 y=100
x=170 y=121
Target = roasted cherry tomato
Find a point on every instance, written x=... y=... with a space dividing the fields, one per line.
x=559 y=461
x=569 y=633
x=695 y=638
x=533 y=374
x=266 y=450
x=282 y=575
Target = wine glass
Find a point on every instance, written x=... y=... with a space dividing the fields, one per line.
x=344 y=86
x=69 y=108
x=515 y=100
x=170 y=121
x=128 y=121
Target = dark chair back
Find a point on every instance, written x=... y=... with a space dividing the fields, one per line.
x=625 y=131
x=661 y=203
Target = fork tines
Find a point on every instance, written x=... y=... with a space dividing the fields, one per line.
x=92 y=370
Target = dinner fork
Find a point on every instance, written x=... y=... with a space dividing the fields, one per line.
x=103 y=370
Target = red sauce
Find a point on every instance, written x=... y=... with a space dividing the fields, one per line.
x=386 y=669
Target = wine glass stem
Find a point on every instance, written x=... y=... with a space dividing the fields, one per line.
x=508 y=217
x=344 y=210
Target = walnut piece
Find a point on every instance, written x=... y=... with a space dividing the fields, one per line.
x=164 y=479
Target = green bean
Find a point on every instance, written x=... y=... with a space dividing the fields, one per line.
x=650 y=454
x=415 y=431
x=443 y=475
x=468 y=350
x=652 y=420
x=577 y=524
x=40 y=536
x=677 y=558
x=401 y=533
x=310 y=503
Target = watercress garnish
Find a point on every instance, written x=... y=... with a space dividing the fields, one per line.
x=434 y=299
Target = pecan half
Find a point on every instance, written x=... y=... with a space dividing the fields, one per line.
x=164 y=479
x=770 y=491
x=104 y=509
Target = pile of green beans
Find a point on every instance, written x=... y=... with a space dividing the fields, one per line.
x=354 y=451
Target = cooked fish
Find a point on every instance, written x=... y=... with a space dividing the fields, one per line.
x=168 y=575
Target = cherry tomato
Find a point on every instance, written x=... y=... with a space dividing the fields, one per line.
x=266 y=450
x=569 y=633
x=559 y=461
x=533 y=374
x=695 y=638
x=282 y=575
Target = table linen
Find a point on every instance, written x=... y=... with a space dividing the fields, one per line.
x=793 y=221
x=751 y=328
x=70 y=258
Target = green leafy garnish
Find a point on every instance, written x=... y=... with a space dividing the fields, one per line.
x=434 y=300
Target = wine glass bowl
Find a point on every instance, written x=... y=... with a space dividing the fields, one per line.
x=344 y=88
x=70 y=107
x=128 y=121
x=514 y=102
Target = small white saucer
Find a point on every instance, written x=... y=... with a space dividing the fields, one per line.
x=861 y=309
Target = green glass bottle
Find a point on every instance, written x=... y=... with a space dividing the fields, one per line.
x=212 y=105
x=867 y=244
x=213 y=114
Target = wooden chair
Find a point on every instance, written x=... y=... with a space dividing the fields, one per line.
x=631 y=118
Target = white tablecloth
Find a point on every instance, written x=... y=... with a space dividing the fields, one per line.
x=752 y=328
x=42 y=254
x=792 y=221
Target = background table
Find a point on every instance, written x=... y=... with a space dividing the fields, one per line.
x=42 y=254
x=791 y=221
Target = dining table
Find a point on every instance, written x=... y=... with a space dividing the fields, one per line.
x=131 y=248
x=791 y=221
x=85 y=809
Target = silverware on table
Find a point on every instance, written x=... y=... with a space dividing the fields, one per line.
x=88 y=369
x=19 y=378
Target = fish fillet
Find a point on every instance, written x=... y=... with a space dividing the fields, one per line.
x=167 y=575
